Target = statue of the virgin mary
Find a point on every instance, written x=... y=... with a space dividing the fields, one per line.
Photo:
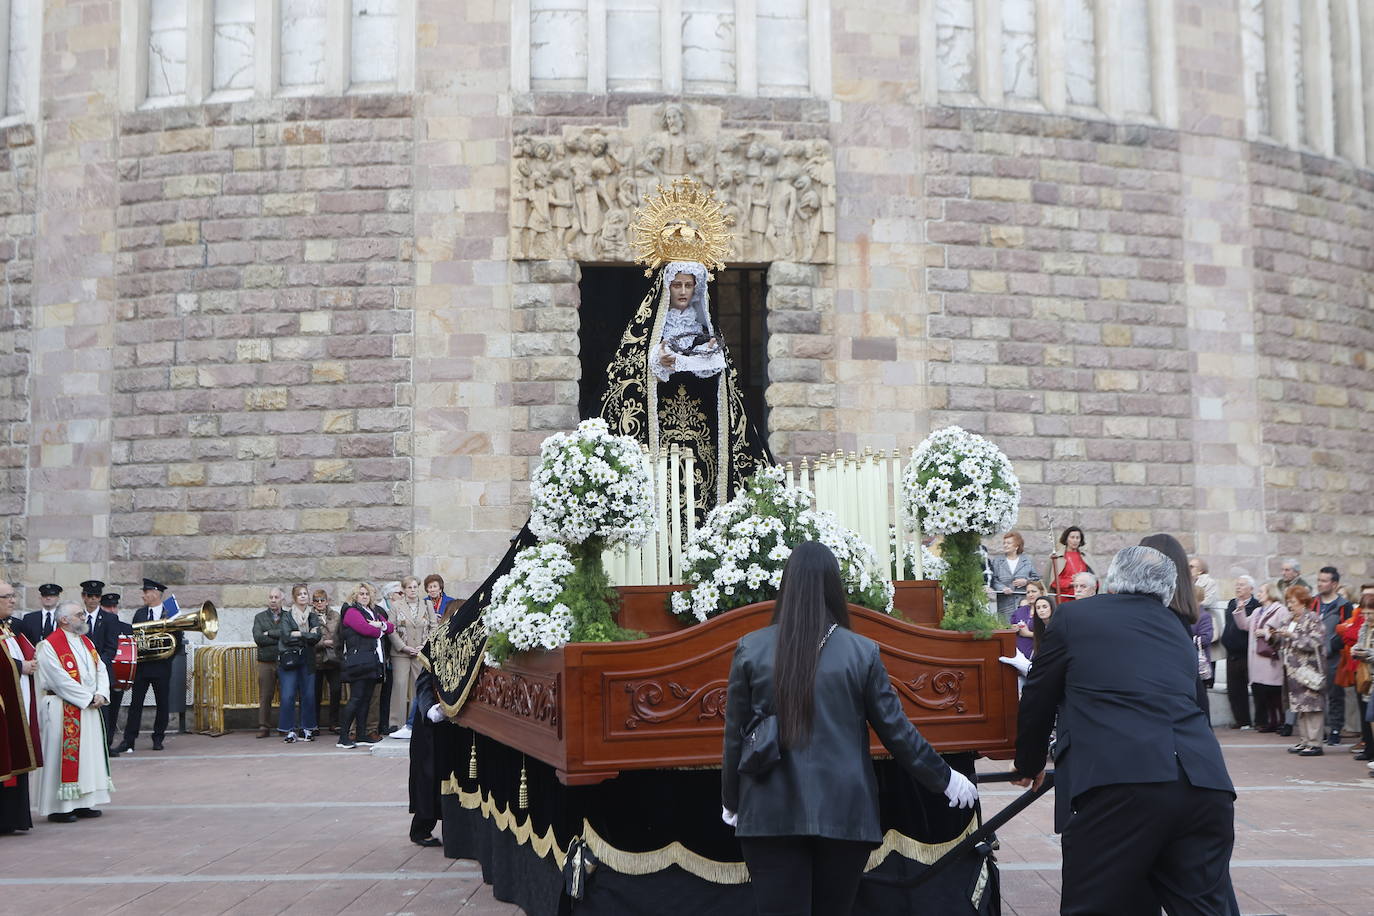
x=671 y=381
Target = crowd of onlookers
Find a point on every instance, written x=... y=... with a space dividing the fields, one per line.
x=371 y=642
x=1296 y=661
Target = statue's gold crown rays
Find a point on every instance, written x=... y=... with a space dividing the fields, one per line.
x=683 y=222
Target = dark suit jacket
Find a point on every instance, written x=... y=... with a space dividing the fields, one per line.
x=1120 y=673
x=162 y=668
x=105 y=635
x=32 y=626
x=826 y=788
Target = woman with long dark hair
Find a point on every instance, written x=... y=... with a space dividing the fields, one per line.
x=808 y=823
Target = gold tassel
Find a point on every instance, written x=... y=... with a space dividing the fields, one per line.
x=524 y=797
x=472 y=760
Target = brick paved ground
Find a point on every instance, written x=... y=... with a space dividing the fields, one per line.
x=201 y=829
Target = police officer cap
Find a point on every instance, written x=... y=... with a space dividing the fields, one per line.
x=48 y=589
x=109 y=600
x=149 y=583
x=92 y=587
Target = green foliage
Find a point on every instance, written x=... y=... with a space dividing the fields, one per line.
x=589 y=595
x=965 y=598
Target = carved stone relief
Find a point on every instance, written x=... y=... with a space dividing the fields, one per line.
x=574 y=195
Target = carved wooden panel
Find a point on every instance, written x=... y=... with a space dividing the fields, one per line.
x=660 y=702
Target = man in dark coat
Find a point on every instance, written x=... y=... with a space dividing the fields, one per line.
x=1236 y=643
x=433 y=759
x=151 y=674
x=38 y=625
x=1142 y=795
x=106 y=628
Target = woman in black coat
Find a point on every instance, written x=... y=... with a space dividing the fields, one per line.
x=808 y=824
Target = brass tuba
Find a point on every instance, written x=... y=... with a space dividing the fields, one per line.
x=154 y=637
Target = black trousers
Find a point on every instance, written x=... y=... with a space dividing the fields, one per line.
x=804 y=875
x=1268 y=705
x=333 y=677
x=1238 y=687
x=421 y=827
x=1335 y=702
x=1171 y=836
x=161 y=683
x=359 y=695
x=111 y=714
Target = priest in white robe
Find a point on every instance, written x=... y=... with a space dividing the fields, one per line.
x=73 y=686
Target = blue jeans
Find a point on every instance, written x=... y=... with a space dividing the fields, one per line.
x=297 y=684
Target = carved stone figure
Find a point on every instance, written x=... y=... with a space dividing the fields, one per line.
x=573 y=195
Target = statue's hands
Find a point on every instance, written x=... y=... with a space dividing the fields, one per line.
x=666 y=359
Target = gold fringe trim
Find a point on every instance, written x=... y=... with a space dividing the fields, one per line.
x=507 y=822
x=925 y=853
x=647 y=863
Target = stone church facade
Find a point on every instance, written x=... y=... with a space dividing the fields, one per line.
x=293 y=288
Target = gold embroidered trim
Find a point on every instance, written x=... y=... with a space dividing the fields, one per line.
x=647 y=863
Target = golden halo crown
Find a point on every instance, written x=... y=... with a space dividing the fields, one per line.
x=683 y=222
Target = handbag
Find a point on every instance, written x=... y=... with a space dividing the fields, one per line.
x=1307 y=677
x=1363 y=680
x=291 y=659
x=761 y=751
x=1263 y=648
x=762 y=747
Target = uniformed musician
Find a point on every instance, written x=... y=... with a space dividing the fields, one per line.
x=155 y=674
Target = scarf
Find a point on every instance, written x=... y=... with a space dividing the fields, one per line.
x=70 y=788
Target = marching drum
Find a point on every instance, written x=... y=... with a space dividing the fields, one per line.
x=125 y=663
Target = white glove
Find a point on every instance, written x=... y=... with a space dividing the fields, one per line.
x=435 y=714
x=730 y=817
x=1019 y=662
x=960 y=792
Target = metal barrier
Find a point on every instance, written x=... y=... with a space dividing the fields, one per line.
x=225 y=677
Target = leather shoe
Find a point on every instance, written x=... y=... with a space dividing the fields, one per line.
x=264 y=732
x=157 y=745
x=1266 y=729
x=1334 y=738
x=67 y=818
x=1311 y=752
x=87 y=812
x=123 y=749
x=427 y=841
x=1364 y=755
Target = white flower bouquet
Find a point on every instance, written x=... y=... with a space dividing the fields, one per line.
x=591 y=484
x=958 y=481
x=960 y=485
x=527 y=609
x=737 y=557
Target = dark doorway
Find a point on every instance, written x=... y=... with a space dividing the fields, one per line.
x=739 y=298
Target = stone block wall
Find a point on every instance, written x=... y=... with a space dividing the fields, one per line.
x=1057 y=325
x=18 y=185
x=1313 y=261
x=262 y=358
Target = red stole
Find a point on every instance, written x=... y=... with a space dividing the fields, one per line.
x=20 y=749
x=71 y=715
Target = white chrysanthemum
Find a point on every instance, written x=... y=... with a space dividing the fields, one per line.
x=958 y=481
x=591 y=484
x=738 y=555
x=524 y=606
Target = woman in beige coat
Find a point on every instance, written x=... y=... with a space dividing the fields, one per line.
x=414 y=622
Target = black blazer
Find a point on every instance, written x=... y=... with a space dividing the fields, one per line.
x=31 y=624
x=105 y=635
x=826 y=788
x=1120 y=673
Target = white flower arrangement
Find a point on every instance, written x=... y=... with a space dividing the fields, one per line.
x=958 y=481
x=591 y=484
x=737 y=557
x=526 y=609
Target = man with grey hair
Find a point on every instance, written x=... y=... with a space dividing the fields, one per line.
x=1084 y=586
x=74 y=686
x=1236 y=643
x=1142 y=796
x=1290 y=575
